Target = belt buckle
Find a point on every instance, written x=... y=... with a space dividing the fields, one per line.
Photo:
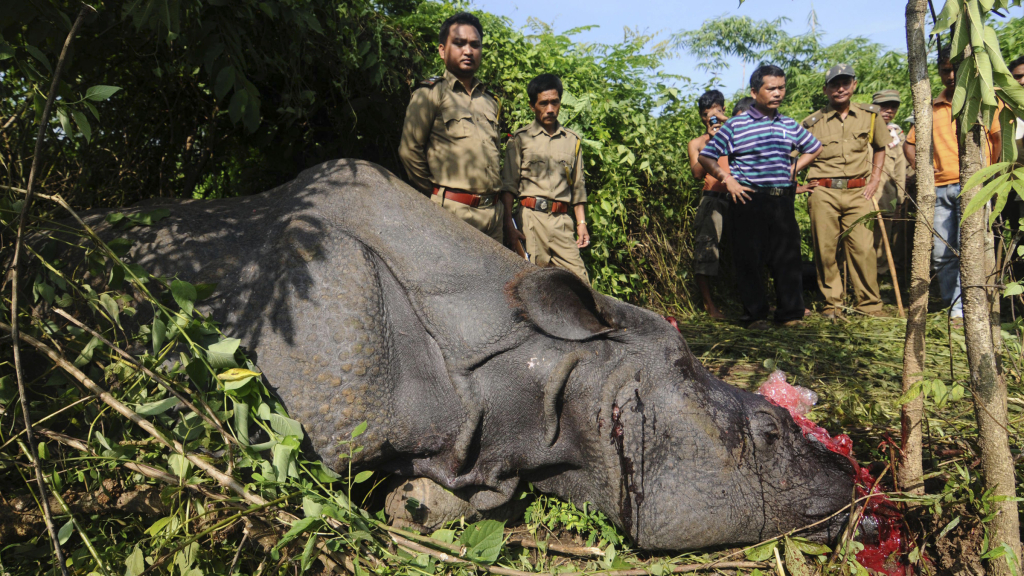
x=542 y=204
x=840 y=183
x=486 y=201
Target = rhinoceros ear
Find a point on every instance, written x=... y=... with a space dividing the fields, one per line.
x=560 y=304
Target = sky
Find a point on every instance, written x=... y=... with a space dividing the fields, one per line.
x=880 y=21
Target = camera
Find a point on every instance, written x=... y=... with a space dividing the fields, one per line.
x=713 y=121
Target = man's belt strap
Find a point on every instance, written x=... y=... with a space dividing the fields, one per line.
x=774 y=190
x=544 y=205
x=467 y=198
x=840 y=183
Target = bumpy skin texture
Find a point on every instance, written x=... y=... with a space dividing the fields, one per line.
x=363 y=301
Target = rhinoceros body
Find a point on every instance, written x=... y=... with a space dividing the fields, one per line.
x=361 y=300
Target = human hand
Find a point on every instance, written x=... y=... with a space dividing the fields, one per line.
x=804 y=188
x=514 y=239
x=714 y=127
x=870 y=189
x=738 y=192
x=583 y=236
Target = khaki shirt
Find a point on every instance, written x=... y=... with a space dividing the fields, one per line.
x=846 y=145
x=894 y=171
x=450 y=137
x=536 y=164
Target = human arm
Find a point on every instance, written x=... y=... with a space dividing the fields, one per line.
x=582 y=235
x=910 y=149
x=877 y=161
x=419 y=120
x=717 y=147
x=511 y=174
x=737 y=191
x=693 y=150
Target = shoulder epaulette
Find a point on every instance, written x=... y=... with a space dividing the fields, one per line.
x=873 y=108
x=578 y=137
x=523 y=129
x=429 y=82
x=813 y=118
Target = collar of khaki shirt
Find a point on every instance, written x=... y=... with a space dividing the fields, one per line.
x=453 y=81
x=536 y=129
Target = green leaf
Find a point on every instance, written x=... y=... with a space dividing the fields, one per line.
x=135 y=563
x=1013 y=289
x=964 y=76
x=795 y=562
x=38 y=55
x=222 y=354
x=178 y=464
x=982 y=197
x=236 y=108
x=158 y=526
x=285 y=426
x=185 y=295
x=948 y=16
x=86 y=354
x=158 y=407
x=65 y=120
x=225 y=81
x=985 y=173
x=483 y=540
x=307 y=552
x=359 y=430
x=762 y=552
x=100 y=93
x=158 y=334
x=362 y=477
x=283 y=460
x=6 y=51
x=808 y=547
x=65 y=532
x=151 y=217
x=296 y=530
x=83 y=124
x=111 y=307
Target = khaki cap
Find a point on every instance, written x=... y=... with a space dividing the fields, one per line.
x=883 y=96
x=839 y=70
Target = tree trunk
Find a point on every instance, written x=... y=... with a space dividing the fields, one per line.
x=987 y=384
x=911 y=470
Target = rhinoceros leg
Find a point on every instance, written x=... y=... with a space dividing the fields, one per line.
x=421 y=502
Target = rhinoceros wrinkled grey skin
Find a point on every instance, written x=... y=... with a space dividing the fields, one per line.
x=362 y=300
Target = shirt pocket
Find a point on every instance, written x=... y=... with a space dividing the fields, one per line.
x=861 y=137
x=536 y=165
x=458 y=121
x=491 y=123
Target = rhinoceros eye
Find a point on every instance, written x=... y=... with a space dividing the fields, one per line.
x=764 y=428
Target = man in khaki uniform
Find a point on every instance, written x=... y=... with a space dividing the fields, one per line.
x=544 y=169
x=450 y=138
x=844 y=177
x=892 y=191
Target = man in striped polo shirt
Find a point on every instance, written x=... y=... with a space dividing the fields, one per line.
x=761 y=184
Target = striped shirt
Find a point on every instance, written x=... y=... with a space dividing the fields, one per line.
x=759 y=147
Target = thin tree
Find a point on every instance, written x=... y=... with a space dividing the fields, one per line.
x=981 y=69
x=911 y=471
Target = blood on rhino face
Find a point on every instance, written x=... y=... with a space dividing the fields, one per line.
x=711 y=465
x=678 y=458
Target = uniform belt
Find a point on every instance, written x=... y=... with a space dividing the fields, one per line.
x=544 y=205
x=774 y=190
x=840 y=183
x=468 y=198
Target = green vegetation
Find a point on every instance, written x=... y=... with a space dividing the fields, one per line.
x=207 y=99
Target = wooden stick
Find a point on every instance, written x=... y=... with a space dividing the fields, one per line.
x=15 y=271
x=584 y=551
x=888 y=256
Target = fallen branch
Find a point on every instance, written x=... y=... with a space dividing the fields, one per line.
x=582 y=551
x=16 y=271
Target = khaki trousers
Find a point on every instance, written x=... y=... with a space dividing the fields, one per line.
x=833 y=212
x=487 y=220
x=551 y=241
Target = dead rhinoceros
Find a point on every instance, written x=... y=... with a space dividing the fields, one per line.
x=364 y=301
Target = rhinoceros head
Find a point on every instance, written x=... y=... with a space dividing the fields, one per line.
x=673 y=455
